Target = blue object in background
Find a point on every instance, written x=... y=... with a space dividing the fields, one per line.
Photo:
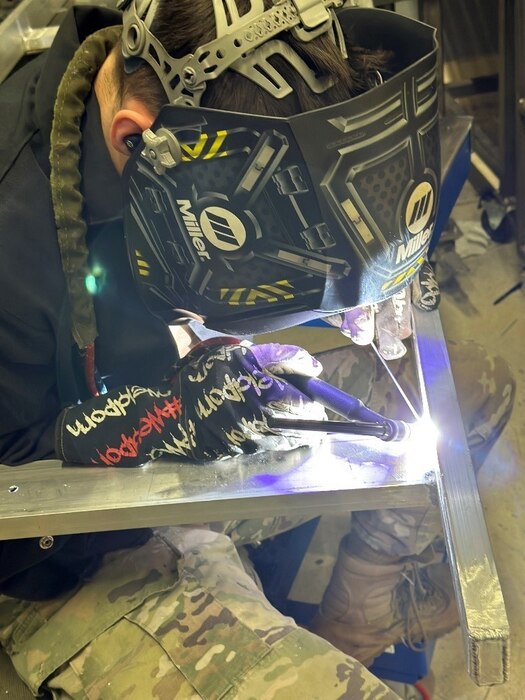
x=452 y=183
x=403 y=665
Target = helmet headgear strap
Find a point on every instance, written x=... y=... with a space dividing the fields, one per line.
x=244 y=44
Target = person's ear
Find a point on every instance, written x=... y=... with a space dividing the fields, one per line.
x=126 y=124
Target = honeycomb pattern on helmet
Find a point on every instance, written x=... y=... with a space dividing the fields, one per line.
x=215 y=174
x=380 y=188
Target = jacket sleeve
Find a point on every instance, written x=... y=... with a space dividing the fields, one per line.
x=29 y=404
x=31 y=294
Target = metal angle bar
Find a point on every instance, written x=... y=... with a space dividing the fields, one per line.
x=37 y=40
x=31 y=27
x=478 y=593
x=49 y=498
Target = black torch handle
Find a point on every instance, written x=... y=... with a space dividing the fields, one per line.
x=363 y=420
x=387 y=430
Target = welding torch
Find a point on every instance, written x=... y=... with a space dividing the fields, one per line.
x=360 y=420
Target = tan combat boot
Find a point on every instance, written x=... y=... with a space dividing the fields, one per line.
x=374 y=601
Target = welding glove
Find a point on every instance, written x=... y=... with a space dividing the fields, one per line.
x=215 y=404
x=390 y=322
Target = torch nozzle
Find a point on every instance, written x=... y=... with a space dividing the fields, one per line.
x=397 y=430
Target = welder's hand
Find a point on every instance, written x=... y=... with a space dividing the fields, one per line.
x=390 y=322
x=215 y=405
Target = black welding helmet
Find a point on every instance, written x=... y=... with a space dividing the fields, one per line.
x=256 y=223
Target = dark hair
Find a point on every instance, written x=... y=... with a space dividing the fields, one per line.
x=184 y=25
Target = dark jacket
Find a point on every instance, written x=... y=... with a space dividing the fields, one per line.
x=37 y=363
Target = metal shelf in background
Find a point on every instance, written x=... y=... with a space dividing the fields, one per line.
x=31 y=27
x=464 y=28
x=519 y=40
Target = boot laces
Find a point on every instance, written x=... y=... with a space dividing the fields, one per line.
x=417 y=598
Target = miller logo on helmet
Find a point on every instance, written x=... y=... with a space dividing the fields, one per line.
x=419 y=207
x=223 y=228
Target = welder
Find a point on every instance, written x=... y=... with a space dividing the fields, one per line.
x=181 y=168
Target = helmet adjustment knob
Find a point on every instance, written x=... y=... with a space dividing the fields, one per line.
x=162 y=149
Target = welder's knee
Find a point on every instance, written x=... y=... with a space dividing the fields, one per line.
x=485 y=390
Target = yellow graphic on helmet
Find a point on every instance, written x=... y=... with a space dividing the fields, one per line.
x=267 y=293
x=206 y=148
x=142 y=265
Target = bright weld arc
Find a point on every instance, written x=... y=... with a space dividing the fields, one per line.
x=423 y=438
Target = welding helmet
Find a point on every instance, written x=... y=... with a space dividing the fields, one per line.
x=255 y=223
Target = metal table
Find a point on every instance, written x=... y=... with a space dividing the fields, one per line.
x=46 y=498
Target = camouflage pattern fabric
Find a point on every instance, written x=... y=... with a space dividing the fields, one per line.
x=176 y=618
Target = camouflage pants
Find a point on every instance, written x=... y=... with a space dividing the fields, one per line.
x=179 y=617
x=182 y=617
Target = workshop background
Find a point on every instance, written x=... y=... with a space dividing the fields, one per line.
x=483 y=258
x=479 y=260
x=480 y=266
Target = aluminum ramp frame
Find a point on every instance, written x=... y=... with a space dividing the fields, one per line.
x=47 y=498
